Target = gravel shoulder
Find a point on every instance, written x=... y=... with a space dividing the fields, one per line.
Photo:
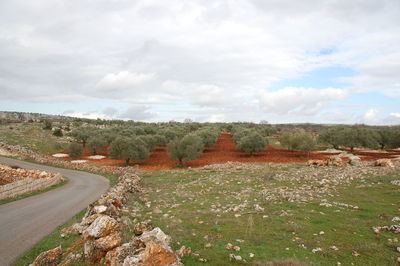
x=25 y=222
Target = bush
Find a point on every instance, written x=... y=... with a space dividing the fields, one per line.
x=48 y=125
x=188 y=148
x=58 y=132
x=124 y=148
x=75 y=150
x=251 y=143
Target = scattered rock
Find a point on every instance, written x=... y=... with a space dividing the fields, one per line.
x=183 y=252
x=384 y=163
x=48 y=258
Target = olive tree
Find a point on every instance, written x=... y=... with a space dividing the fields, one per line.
x=300 y=140
x=251 y=143
x=334 y=137
x=124 y=148
x=96 y=142
x=82 y=134
x=208 y=136
x=75 y=150
x=385 y=137
x=188 y=148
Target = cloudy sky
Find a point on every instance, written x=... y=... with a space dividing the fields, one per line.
x=324 y=61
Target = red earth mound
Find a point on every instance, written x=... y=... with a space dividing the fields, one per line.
x=224 y=151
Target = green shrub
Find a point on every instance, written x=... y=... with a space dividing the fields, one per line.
x=58 y=132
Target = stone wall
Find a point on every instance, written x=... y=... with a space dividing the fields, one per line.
x=27 y=185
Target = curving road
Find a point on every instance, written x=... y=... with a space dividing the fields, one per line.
x=25 y=222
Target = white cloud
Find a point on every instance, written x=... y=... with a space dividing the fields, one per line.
x=89 y=115
x=305 y=101
x=371 y=116
x=123 y=80
x=397 y=115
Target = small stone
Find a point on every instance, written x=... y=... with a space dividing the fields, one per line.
x=316 y=250
x=251 y=255
x=236 y=248
x=229 y=246
x=208 y=245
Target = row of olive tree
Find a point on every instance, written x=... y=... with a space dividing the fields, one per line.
x=129 y=143
x=355 y=136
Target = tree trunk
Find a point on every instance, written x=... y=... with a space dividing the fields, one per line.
x=127 y=162
x=382 y=146
x=180 y=162
x=351 y=149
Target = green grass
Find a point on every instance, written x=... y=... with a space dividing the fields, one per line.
x=187 y=197
x=33 y=137
x=4 y=201
x=51 y=241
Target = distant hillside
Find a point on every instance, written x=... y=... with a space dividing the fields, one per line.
x=30 y=117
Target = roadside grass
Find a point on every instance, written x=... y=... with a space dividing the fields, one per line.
x=33 y=137
x=52 y=241
x=181 y=203
x=4 y=201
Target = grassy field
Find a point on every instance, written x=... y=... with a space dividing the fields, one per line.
x=206 y=210
x=31 y=136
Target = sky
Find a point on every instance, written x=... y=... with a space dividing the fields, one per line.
x=281 y=61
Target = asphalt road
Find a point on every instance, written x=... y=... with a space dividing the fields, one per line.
x=25 y=222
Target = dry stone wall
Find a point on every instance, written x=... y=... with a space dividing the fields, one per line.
x=16 y=182
x=27 y=185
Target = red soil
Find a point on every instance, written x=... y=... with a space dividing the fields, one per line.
x=224 y=151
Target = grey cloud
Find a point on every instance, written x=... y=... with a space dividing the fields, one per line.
x=138 y=112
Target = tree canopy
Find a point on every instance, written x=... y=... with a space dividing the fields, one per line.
x=188 y=148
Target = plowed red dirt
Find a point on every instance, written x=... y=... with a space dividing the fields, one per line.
x=224 y=151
